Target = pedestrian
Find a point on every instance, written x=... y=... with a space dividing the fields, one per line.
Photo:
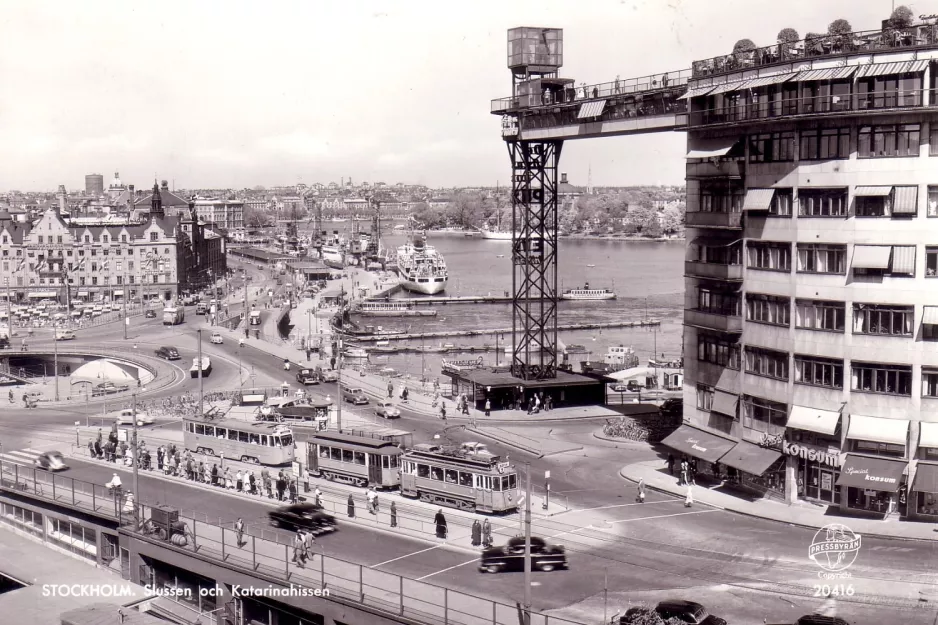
x=404 y=394
x=671 y=464
x=292 y=487
x=239 y=531
x=372 y=497
x=440 y=521
x=281 y=486
x=689 y=499
x=393 y=514
x=239 y=481
x=265 y=481
x=308 y=541
x=351 y=507
x=201 y=472
x=443 y=410
x=488 y=408
x=683 y=480
x=159 y=457
x=390 y=389
x=214 y=474
x=476 y=533
x=253 y=482
x=486 y=534
x=298 y=549
x=11 y=396
x=229 y=483
x=641 y=491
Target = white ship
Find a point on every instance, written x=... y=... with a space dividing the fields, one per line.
x=421 y=267
x=497 y=235
x=332 y=254
x=586 y=293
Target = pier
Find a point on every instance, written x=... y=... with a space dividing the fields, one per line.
x=457 y=333
x=476 y=299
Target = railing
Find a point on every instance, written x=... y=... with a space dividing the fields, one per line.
x=666 y=80
x=750 y=110
x=864 y=41
x=706 y=219
x=549 y=118
x=59 y=489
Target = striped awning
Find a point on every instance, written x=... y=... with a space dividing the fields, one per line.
x=758 y=199
x=930 y=318
x=905 y=201
x=872 y=191
x=830 y=73
x=724 y=403
x=709 y=148
x=729 y=86
x=871 y=256
x=591 y=109
x=693 y=92
x=899 y=67
x=764 y=81
x=903 y=259
x=878 y=429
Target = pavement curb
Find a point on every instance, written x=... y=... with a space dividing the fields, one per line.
x=622 y=441
x=507 y=443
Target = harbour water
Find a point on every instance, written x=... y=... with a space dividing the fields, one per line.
x=646 y=275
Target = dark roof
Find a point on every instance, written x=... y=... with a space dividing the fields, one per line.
x=166 y=196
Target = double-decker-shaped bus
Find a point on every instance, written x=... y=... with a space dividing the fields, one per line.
x=249 y=441
x=457 y=478
x=357 y=460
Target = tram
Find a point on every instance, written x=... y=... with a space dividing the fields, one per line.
x=457 y=478
x=249 y=441
x=356 y=460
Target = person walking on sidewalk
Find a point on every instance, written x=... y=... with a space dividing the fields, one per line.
x=671 y=464
x=683 y=480
x=298 y=549
x=239 y=481
x=641 y=491
x=488 y=408
x=393 y=514
x=476 y=533
x=317 y=497
x=239 y=531
x=281 y=486
x=689 y=498
x=351 y=507
x=229 y=484
x=390 y=389
x=486 y=534
x=372 y=497
x=292 y=487
x=440 y=521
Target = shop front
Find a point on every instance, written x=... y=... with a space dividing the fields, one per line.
x=870 y=485
x=924 y=491
x=812 y=447
x=700 y=445
x=760 y=470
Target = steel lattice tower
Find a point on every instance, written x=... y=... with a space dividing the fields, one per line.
x=534 y=257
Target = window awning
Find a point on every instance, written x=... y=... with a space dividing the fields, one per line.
x=591 y=109
x=83 y=294
x=871 y=256
x=905 y=200
x=814 y=420
x=765 y=81
x=930 y=317
x=831 y=73
x=878 y=430
x=118 y=293
x=750 y=458
x=724 y=403
x=872 y=191
x=903 y=259
x=729 y=86
x=699 y=444
x=710 y=241
x=899 y=67
x=40 y=294
x=710 y=148
x=758 y=199
x=693 y=92
x=872 y=473
x=928 y=435
x=926 y=478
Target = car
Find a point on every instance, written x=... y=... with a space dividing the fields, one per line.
x=672 y=407
x=126 y=418
x=150 y=314
x=51 y=461
x=330 y=376
x=510 y=557
x=687 y=612
x=475 y=448
x=355 y=396
x=108 y=387
x=217 y=339
x=819 y=619
x=306 y=516
x=387 y=410
x=64 y=335
x=169 y=353
x=307 y=376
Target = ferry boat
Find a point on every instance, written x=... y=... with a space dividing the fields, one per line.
x=332 y=253
x=421 y=267
x=497 y=235
x=586 y=293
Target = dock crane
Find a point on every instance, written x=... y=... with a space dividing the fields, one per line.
x=374 y=244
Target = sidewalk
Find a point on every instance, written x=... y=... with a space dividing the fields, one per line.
x=801 y=514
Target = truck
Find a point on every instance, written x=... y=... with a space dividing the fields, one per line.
x=174 y=316
x=205 y=366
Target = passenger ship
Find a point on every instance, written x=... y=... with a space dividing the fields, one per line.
x=586 y=293
x=421 y=267
x=332 y=253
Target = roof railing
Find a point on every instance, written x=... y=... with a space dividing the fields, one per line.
x=918 y=36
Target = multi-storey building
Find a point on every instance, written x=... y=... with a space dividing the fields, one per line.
x=811 y=309
x=228 y=214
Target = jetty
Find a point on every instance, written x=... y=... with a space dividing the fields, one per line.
x=470 y=299
x=390 y=308
x=406 y=336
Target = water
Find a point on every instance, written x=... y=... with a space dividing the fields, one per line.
x=647 y=277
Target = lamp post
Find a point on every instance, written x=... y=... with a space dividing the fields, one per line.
x=338 y=361
x=201 y=390
x=55 y=364
x=134 y=452
x=527 y=544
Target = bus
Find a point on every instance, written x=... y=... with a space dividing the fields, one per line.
x=255 y=318
x=356 y=460
x=205 y=366
x=457 y=478
x=174 y=316
x=257 y=442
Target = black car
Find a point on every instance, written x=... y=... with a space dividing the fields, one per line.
x=544 y=556
x=169 y=353
x=672 y=407
x=150 y=314
x=818 y=619
x=51 y=461
x=687 y=612
x=307 y=376
x=306 y=516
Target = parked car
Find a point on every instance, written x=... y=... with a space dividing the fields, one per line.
x=217 y=339
x=108 y=387
x=303 y=516
x=51 y=461
x=330 y=376
x=544 y=556
x=126 y=418
x=64 y=335
x=387 y=410
x=150 y=314
x=307 y=376
x=355 y=396
x=687 y=612
x=673 y=406
x=169 y=353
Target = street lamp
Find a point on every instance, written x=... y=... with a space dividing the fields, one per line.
x=201 y=390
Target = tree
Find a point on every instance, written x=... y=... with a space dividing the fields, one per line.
x=744 y=45
x=788 y=35
x=465 y=210
x=426 y=216
x=901 y=17
x=839 y=27
x=673 y=218
x=255 y=218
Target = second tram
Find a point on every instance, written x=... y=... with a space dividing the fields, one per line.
x=453 y=477
x=357 y=460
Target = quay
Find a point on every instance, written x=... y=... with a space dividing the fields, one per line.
x=469 y=299
x=451 y=333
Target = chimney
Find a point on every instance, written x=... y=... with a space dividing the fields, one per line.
x=563 y=178
x=133 y=197
x=63 y=202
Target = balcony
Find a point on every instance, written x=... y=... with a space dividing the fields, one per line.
x=702 y=219
x=728 y=321
x=713 y=271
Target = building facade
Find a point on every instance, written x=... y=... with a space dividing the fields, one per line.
x=810 y=306
x=228 y=214
x=94 y=185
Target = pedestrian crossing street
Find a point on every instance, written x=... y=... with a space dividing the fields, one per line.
x=26 y=457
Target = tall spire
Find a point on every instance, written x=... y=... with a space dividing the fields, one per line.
x=156 y=202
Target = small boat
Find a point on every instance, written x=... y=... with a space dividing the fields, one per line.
x=355 y=352
x=586 y=293
x=591 y=266
x=500 y=256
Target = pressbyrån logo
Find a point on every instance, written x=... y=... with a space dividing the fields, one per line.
x=834 y=548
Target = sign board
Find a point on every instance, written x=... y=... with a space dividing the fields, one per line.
x=297 y=469
x=123 y=435
x=546 y=475
x=502 y=467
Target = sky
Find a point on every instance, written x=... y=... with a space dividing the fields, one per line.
x=234 y=94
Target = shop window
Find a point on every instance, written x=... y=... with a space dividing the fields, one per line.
x=876 y=448
x=813 y=371
x=883 y=319
x=927 y=503
x=767 y=363
x=704 y=397
x=830 y=259
x=883 y=379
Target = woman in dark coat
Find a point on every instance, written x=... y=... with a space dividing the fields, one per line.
x=393 y=515
x=440 y=521
x=476 y=533
x=351 y=507
x=486 y=534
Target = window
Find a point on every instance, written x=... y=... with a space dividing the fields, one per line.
x=465 y=479
x=879 y=319
x=347 y=455
x=874 y=206
x=763 y=415
x=123 y=238
x=40 y=239
x=820 y=315
x=87 y=238
x=436 y=473
x=931 y=262
x=721 y=198
x=154 y=236
x=717 y=351
x=929 y=382
x=932 y=210
x=704 y=397
x=336 y=454
x=822 y=258
x=769 y=309
x=769 y=256
x=720 y=254
x=889 y=91
x=825 y=144
x=105 y=238
x=813 y=371
x=781 y=203
x=360 y=458
x=718 y=302
x=879 y=378
x=883 y=141
x=767 y=362
x=423 y=470
x=451 y=476
x=772 y=147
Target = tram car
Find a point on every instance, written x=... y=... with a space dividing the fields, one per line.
x=258 y=442
x=457 y=478
x=353 y=459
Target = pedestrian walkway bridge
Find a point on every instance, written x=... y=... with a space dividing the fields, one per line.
x=553 y=108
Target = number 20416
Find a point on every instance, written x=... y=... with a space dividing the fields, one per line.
x=835 y=590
